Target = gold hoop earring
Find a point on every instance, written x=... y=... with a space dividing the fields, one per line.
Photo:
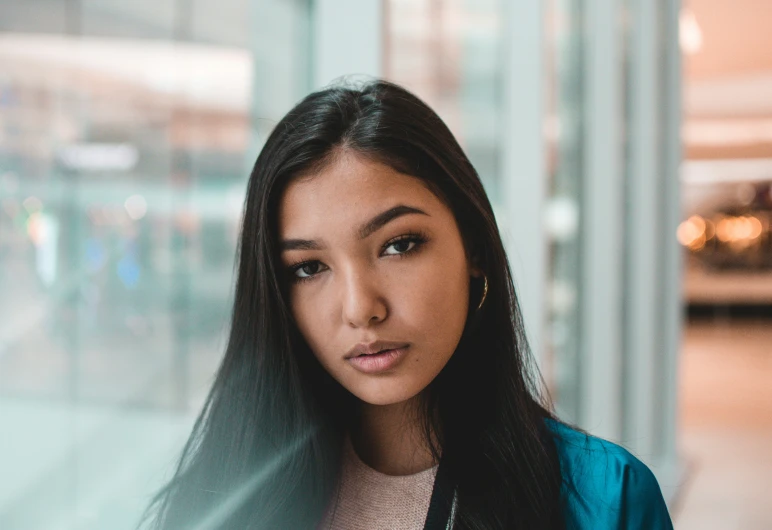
x=485 y=291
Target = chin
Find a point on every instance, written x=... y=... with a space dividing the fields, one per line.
x=385 y=393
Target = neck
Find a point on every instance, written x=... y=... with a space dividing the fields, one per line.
x=391 y=439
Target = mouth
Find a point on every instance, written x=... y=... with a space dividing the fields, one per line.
x=380 y=361
x=376 y=353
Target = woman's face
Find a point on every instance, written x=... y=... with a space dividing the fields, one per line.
x=376 y=262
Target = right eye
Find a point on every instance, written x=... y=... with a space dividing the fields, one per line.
x=306 y=270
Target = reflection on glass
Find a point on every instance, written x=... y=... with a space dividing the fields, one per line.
x=564 y=123
x=126 y=137
x=448 y=52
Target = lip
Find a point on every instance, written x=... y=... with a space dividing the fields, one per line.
x=374 y=347
x=378 y=362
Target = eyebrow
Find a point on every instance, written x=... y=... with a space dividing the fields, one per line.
x=368 y=228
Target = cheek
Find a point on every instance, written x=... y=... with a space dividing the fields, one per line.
x=437 y=302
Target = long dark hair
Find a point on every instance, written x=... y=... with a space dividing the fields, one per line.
x=266 y=448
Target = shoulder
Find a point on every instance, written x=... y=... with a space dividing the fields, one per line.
x=605 y=486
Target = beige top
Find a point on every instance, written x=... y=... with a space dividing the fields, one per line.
x=369 y=500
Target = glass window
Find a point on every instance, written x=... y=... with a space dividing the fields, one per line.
x=564 y=166
x=448 y=52
x=127 y=131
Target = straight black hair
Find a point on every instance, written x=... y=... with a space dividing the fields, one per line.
x=265 y=451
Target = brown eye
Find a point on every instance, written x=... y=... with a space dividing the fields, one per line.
x=400 y=247
x=404 y=245
x=307 y=270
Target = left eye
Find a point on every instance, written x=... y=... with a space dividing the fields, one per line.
x=400 y=247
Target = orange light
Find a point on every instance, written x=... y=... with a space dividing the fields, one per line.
x=756 y=228
x=691 y=233
x=739 y=231
x=710 y=229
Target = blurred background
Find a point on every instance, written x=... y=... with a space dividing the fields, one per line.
x=626 y=146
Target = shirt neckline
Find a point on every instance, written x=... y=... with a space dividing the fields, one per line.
x=351 y=458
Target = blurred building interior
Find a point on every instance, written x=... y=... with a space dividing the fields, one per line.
x=626 y=146
x=726 y=360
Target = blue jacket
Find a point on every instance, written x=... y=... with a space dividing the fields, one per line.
x=605 y=487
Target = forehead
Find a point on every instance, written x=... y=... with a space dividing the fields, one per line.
x=347 y=191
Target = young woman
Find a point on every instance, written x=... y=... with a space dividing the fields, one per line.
x=377 y=373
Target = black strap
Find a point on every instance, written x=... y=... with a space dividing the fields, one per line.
x=441 y=503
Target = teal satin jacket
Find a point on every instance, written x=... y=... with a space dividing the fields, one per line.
x=605 y=487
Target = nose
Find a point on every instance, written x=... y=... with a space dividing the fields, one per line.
x=363 y=302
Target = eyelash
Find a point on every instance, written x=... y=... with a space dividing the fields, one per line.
x=419 y=238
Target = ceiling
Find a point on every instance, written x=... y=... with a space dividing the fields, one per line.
x=728 y=80
x=737 y=41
